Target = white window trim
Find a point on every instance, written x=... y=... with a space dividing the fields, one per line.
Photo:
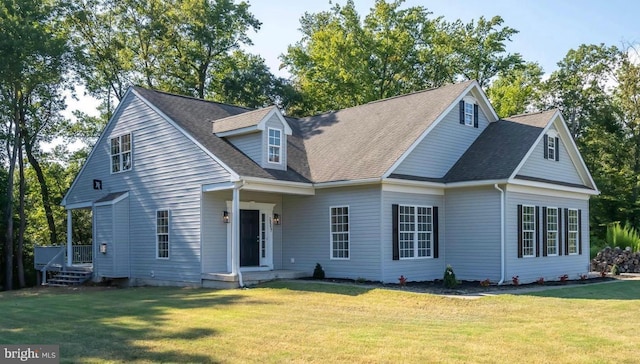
x=415 y=234
x=533 y=254
x=168 y=235
x=120 y=153
x=569 y=231
x=552 y=148
x=557 y=231
x=468 y=121
x=269 y=145
x=331 y=257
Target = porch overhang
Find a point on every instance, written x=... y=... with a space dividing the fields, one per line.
x=263 y=185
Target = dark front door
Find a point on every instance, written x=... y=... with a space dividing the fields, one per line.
x=249 y=238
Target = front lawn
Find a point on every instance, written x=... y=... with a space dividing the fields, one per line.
x=308 y=322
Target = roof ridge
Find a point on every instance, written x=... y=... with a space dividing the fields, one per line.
x=391 y=98
x=244 y=114
x=531 y=113
x=191 y=98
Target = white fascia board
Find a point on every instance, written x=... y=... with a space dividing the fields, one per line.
x=276 y=111
x=268 y=185
x=222 y=186
x=576 y=152
x=489 y=182
x=79 y=205
x=116 y=114
x=241 y=131
x=454 y=104
x=347 y=183
x=234 y=175
x=550 y=190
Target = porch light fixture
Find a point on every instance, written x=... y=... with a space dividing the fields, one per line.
x=276 y=219
x=225 y=217
x=103 y=248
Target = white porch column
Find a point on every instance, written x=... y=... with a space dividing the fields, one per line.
x=69 y=239
x=235 y=231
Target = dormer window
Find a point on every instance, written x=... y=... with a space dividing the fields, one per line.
x=275 y=145
x=551 y=147
x=468 y=114
x=121 y=153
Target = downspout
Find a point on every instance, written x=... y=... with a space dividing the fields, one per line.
x=502 y=240
x=235 y=233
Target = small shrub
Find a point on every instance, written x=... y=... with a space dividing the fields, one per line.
x=564 y=278
x=318 y=272
x=402 y=281
x=485 y=283
x=449 y=279
x=623 y=236
x=615 y=270
x=360 y=280
x=603 y=273
x=515 y=280
x=583 y=277
x=540 y=281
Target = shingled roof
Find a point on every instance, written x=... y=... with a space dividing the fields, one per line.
x=195 y=117
x=240 y=121
x=500 y=148
x=365 y=141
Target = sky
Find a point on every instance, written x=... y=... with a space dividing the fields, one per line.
x=548 y=29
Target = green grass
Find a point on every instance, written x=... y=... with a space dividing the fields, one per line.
x=304 y=322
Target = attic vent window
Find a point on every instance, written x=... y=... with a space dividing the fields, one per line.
x=469 y=112
x=275 y=145
x=551 y=144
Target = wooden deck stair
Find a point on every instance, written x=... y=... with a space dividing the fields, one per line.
x=73 y=276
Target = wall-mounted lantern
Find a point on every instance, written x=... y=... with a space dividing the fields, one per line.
x=225 y=217
x=103 y=248
x=276 y=219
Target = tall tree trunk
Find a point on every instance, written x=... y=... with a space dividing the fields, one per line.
x=21 y=229
x=12 y=152
x=46 y=201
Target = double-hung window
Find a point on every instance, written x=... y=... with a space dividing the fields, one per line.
x=528 y=231
x=339 y=232
x=572 y=231
x=552 y=231
x=162 y=234
x=468 y=114
x=275 y=145
x=551 y=148
x=415 y=229
x=121 y=153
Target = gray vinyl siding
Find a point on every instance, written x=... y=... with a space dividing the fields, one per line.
x=421 y=269
x=274 y=123
x=306 y=232
x=473 y=233
x=442 y=147
x=550 y=267
x=249 y=144
x=121 y=239
x=168 y=172
x=562 y=170
x=102 y=220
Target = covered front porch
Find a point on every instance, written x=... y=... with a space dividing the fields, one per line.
x=51 y=261
x=242 y=224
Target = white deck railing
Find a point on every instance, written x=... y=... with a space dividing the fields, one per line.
x=82 y=254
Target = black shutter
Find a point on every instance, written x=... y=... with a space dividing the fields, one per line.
x=546 y=147
x=537 y=231
x=475 y=115
x=560 y=230
x=394 y=230
x=557 y=149
x=566 y=231
x=435 y=232
x=579 y=231
x=519 y=231
x=462 y=112
x=544 y=231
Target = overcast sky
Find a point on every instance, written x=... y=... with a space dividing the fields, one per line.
x=548 y=28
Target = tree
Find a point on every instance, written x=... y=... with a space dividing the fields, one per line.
x=480 y=49
x=516 y=89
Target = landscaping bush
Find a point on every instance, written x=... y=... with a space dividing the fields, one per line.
x=623 y=236
x=449 y=279
x=318 y=272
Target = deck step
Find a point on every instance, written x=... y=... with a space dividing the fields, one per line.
x=71 y=277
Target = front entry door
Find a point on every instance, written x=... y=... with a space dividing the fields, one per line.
x=249 y=238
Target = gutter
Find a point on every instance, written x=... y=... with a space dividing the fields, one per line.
x=502 y=230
